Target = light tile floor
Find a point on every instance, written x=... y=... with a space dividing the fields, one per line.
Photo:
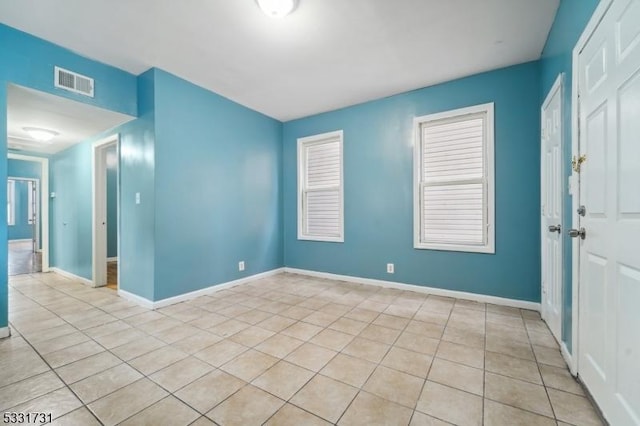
x=285 y=350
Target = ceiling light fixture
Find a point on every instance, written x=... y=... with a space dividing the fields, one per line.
x=40 y=135
x=277 y=8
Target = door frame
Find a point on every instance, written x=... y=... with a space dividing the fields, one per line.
x=99 y=205
x=44 y=201
x=572 y=358
x=558 y=87
x=38 y=208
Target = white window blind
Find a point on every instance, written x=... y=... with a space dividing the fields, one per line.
x=11 y=202
x=320 y=212
x=455 y=180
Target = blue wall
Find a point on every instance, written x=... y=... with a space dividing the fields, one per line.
x=571 y=18
x=112 y=201
x=217 y=188
x=378 y=179
x=25 y=169
x=28 y=61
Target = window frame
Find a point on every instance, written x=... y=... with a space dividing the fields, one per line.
x=11 y=202
x=302 y=143
x=489 y=178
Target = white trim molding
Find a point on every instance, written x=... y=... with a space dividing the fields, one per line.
x=568 y=358
x=149 y=304
x=522 y=304
x=72 y=276
x=5 y=332
x=112 y=259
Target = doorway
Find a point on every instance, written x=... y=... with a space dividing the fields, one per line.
x=105 y=212
x=551 y=201
x=607 y=226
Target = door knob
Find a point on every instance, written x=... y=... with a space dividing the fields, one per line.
x=582 y=233
x=555 y=228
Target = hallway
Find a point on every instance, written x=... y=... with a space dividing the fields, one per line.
x=22 y=260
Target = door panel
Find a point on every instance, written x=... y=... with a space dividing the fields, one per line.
x=609 y=280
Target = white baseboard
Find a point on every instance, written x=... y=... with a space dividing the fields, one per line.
x=568 y=358
x=23 y=240
x=146 y=303
x=71 y=276
x=112 y=259
x=5 y=332
x=522 y=304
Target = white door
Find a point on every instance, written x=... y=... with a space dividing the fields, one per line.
x=551 y=185
x=609 y=280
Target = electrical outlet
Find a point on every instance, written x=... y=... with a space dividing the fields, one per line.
x=390 y=268
x=241 y=265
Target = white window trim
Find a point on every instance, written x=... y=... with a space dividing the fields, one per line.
x=308 y=141
x=489 y=247
x=11 y=197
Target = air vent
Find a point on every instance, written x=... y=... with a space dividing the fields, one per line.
x=74 y=82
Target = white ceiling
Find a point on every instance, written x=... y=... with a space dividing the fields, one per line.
x=326 y=55
x=74 y=121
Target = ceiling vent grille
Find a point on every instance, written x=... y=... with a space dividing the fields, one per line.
x=74 y=82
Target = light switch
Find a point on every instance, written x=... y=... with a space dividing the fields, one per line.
x=137 y=198
x=53 y=195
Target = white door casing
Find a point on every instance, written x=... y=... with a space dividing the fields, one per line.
x=609 y=259
x=552 y=178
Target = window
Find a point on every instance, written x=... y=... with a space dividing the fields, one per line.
x=11 y=202
x=320 y=189
x=454 y=181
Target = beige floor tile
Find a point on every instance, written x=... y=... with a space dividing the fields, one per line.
x=137 y=347
x=311 y=357
x=251 y=336
x=573 y=409
x=349 y=370
x=349 y=326
x=427 y=329
x=325 y=397
x=549 y=356
x=210 y=390
x=391 y=321
x=380 y=334
x=249 y=365
x=516 y=368
x=361 y=314
x=156 y=360
x=181 y=373
x=510 y=347
x=254 y=316
x=58 y=403
x=73 y=353
x=220 y=353
x=332 y=339
x=496 y=414
x=175 y=334
x=417 y=343
x=543 y=339
x=369 y=409
x=366 y=349
x=196 y=342
x=28 y=389
x=119 y=338
x=290 y=415
x=248 y=406
x=302 y=331
x=55 y=344
x=203 y=421
x=434 y=317
x=78 y=417
x=407 y=361
x=505 y=332
x=462 y=354
x=457 y=376
x=560 y=379
x=517 y=393
x=276 y=323
x=105 y=382
x=86 y=367
x=374 y=306
x=452 y=405
x=504 y=310
x=394 y=386
x=156 y=326
x=20 y=364
x=508 y=320
x=168 y=410
x=464 y=336
x=421 y=419
x=279 y=345
x=123 y=403
x=283 y=379
x=228 y=328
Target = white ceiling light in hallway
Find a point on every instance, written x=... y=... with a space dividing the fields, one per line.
x=40 y=135
x=277 y=8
